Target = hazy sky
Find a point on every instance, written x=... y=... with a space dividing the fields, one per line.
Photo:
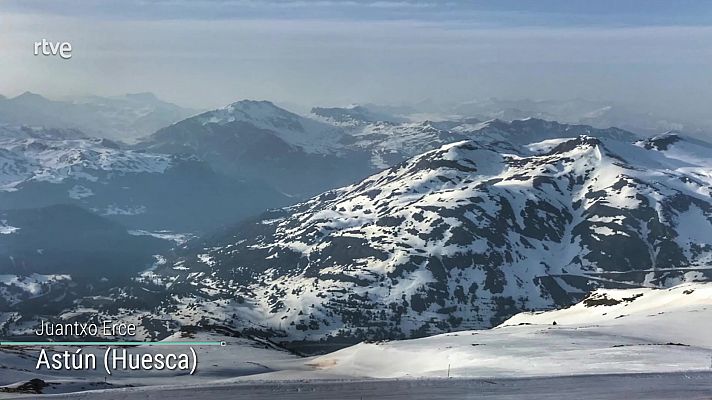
x=206 y=53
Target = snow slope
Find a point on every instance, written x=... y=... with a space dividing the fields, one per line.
x=610 y=331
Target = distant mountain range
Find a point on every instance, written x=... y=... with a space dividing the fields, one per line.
x=121 y=117
x=596 y=113
x=303 y=156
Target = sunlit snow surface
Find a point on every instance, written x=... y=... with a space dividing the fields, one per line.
x=55 y=160
x=14 y=288
x=611 y=331
x=6 y=229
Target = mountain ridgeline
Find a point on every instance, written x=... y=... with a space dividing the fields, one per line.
x=300 y=156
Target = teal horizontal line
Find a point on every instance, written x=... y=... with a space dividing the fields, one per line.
x=108 y=343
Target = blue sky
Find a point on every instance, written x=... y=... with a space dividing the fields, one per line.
x=209 y=52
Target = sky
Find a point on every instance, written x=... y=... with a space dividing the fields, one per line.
x=207 y=53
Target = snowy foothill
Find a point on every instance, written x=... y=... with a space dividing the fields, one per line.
x=611 y=331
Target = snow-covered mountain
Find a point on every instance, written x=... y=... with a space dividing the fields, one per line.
x=56 y=159
x=121 y=117
x=257 y=140
x=140 y=189
x=80 y=215
x=460 y=237
x=309 y=135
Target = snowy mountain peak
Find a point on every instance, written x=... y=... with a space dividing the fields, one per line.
x=571 y=144
x=310 y=135
x=261 y=112
x=257 y=107
x=663 y=141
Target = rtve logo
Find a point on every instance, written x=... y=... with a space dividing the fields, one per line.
x=61 y=49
